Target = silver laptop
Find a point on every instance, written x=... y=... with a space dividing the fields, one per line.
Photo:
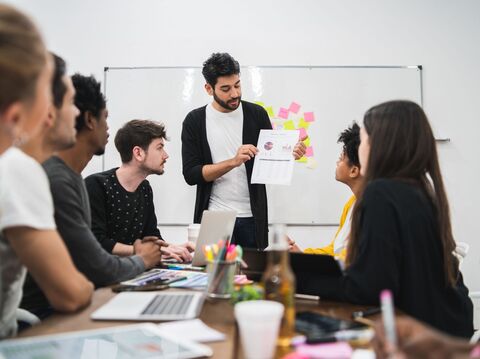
x=170 y=305
x=148 y=306
x=215 y=225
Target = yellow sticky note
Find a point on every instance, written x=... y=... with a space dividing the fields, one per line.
x=307 y=141
x=269 y=110
x=303 y=160
x=260 y=103
x=303 y=124
x=288 y=125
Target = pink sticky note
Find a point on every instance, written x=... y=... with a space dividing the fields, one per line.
x=303 y=133
x=309 y=152
x=309 y=116
x=283 y=113
x=294 y=107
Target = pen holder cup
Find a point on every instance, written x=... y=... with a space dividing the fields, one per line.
x=220 y=278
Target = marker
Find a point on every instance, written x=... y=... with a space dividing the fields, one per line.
x=340 y=336
x=174 y=267
x=388 y=317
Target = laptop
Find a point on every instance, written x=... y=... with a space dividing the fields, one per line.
x=215 y=225
x=151 y=306
x=303 y=265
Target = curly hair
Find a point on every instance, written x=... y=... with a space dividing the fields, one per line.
x=219 y=64
x=88 y=98
x=351 y=140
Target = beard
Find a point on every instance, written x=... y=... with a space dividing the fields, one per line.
x=227 y=105
x=152 y=171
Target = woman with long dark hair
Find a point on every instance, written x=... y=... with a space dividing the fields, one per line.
x=401 y=237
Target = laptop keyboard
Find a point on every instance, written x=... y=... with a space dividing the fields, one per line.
x=171 y=304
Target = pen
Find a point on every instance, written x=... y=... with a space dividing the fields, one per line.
x=388 y=317
x=366 y=313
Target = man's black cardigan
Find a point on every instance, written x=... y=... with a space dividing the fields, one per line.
x=196 y=153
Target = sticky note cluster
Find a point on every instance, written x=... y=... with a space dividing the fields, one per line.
x=291 y=118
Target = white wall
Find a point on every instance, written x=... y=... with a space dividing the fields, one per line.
x=441 y=35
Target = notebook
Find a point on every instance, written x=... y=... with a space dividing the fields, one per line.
x=131 y=341
x=155 y=306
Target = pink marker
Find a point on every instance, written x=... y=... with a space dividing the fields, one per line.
x=388 y=317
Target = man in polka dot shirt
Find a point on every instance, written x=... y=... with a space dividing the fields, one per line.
x=122 y=199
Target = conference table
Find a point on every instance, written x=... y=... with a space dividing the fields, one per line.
x=216 y=313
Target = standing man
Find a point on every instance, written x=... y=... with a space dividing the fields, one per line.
x=218 y=144
x=70 y=198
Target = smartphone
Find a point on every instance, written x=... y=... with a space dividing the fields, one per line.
x=315 y=325
x=138 y=288
x=153 y=285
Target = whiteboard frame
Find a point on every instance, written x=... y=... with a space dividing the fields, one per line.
x=106 y=69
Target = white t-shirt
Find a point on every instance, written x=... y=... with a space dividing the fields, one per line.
x=224 y=136
x=342 y=237
x=25 y=201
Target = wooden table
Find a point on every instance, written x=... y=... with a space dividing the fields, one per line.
x=218 y=314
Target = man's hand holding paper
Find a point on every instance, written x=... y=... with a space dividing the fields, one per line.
x=274 y=160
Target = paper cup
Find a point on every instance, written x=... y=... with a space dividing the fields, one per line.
x=259 y=324
x=193 y=231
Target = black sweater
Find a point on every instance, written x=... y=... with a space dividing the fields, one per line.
x=399 y=248
x=196 y=153
x=119 y=215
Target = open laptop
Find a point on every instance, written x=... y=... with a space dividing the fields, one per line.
x=215 y=225
x=170 y=305
x=151 y=306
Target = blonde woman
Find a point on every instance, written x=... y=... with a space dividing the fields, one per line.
x=28 y=237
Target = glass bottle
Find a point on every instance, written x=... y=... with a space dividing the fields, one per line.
x=279 y=282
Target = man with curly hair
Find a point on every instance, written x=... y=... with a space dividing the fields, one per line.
x=347 y=171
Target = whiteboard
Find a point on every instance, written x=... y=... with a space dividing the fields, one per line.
x=337 y=95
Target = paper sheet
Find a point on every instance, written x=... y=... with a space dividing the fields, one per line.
x=274 y=162
x=194 y=330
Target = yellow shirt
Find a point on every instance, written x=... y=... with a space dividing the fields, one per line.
x=329 y=250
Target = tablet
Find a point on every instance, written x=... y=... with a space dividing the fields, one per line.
x=138 y=341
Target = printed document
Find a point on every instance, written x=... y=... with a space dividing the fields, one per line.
x=274 y=161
